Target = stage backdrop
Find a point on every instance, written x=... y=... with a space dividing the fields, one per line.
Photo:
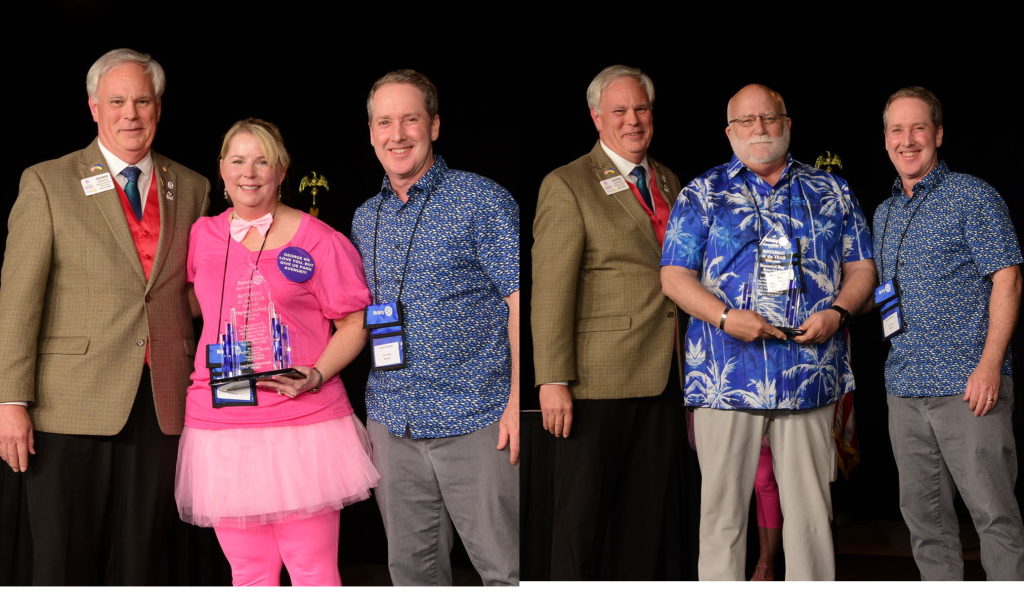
x=309 y=72
x=835 y=71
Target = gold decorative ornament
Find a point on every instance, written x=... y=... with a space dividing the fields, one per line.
x=313 y=182
x=827 y=160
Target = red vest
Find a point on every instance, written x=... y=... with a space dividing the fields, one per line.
x=659 y=220
x=145 y=234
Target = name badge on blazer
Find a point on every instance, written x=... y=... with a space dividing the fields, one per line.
x=98 y=184
x=614 y=184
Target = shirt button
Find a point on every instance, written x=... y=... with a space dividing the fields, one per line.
x=398 y=245
x=140 y=342
x=145 y=233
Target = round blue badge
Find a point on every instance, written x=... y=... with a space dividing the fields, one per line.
x=295 y=264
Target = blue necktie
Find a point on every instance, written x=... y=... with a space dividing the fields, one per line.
x=132 y=189
x=641 y=184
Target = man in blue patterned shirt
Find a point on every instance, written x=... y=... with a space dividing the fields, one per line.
x=444 y=245
x=770 y=257
x=947 y=241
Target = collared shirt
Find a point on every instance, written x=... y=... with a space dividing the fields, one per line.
x=715 y=229
x=961 y=232
x=116 y=165
x=626 y=168
x=463 y=262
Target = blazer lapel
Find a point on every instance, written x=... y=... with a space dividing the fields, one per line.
x=626 y=199
x=109 y=205
x=663 y=187
x=167 y=190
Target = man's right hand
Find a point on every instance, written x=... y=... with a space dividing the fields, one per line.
x=747 y=325
x=556 y=407
x=16 y=439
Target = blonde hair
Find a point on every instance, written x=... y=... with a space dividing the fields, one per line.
x=266 y=134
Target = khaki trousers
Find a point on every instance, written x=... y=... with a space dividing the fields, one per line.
x=803 y=455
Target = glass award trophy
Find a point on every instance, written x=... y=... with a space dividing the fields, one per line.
x=254 y=342
x=774 y=289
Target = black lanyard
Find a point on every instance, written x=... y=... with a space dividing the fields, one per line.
x=376 y=228
x=899 y=247
x=789 y=208
x=224 y=277
x=757 y=208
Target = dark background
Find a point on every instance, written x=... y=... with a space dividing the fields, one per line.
x=512 y=83
x=835 y=69
x=306 y=70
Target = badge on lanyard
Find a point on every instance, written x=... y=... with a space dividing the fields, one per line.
x=387 y=335
x=231 y=394
x=777 y=262
x=887 y=298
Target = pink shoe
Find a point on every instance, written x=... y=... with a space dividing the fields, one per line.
x=763 y=572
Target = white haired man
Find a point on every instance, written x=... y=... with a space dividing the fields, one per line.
x=769 y=257
x=96 y=337
x=603 y=342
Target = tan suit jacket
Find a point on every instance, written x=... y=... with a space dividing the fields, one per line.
x=599 y=318
x=76 y=310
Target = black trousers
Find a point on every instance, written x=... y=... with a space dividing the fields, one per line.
x=100 y=506
x=619 y=491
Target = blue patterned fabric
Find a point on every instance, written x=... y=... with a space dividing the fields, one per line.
x=714 y=229
x=464 y=262
x=960 y=234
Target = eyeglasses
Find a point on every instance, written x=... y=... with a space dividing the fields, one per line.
x=767 y=119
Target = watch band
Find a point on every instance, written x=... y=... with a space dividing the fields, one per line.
x=844 y=316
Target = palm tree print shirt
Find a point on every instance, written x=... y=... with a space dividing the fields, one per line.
x=715 y=229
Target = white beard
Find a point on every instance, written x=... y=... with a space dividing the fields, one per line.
x=761 y=149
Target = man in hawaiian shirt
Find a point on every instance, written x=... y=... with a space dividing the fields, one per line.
x=770 y=257
x=958 y=277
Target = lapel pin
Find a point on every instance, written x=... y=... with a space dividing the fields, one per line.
x=164 y=168
x=97 y=167
x=170 y=196
x=170 y=184
x=609 y=171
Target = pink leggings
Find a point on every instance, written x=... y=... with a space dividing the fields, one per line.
x=308 y=547
x=766 y=489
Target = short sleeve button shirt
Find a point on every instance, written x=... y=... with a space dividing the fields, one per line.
x=955 y=231
x=463 y=262
x=715 y=228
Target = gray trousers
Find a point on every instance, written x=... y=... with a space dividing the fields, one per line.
x=803 y=455
x=426 y=485
x=941 y=447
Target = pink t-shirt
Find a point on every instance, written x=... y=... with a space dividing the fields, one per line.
x=335 y=289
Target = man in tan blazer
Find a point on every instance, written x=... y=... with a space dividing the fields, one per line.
x=603 y=339
x=96 y=337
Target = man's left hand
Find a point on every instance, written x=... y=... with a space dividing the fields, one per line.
x=982 y=389
x=508 y=431
x=819 y=327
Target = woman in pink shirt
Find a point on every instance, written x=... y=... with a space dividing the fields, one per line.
x=269 y=466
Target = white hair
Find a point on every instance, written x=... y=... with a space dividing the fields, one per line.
x=609 y=76
x=113 y=58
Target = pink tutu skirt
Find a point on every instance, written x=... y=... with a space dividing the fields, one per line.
x=251 y=476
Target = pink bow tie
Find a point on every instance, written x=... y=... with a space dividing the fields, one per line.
x=240 y=227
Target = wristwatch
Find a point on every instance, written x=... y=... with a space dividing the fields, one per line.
x=844 y=316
